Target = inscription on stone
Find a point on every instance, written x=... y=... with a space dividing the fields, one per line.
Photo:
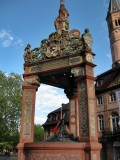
x=37 y=156
x=49 y=65
x=75 y=60
x=55 y=64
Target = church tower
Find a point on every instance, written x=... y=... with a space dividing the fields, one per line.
x=113 y=21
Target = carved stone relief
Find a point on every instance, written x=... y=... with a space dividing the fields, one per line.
x=49 y=65
x=60 y=43
x=83 y=110
x=33 y=81
x=92 y=118
x=73 y=127
x=21 y=156
x=27 y=115
x=89 y=71
x=92 y=108
x=36 y=156
x=94 y=157
x=78 y=71
x=72 y=107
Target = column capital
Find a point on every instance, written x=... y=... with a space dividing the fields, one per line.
x=31 y=82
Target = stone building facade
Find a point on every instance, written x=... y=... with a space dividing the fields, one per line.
x=107 y=89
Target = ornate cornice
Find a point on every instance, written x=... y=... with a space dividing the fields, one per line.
x=61 y=42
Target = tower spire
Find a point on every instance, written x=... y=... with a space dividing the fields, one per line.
x=114 y=6
x=113 y=20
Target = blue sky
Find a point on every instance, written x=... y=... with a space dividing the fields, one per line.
x=30 y=21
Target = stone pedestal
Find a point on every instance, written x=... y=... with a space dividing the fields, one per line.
x=60 y=151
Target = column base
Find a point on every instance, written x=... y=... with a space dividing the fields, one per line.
x=59 y=150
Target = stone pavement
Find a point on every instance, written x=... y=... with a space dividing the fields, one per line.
x=6 y=158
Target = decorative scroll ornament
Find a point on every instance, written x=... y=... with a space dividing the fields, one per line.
x=60 y=43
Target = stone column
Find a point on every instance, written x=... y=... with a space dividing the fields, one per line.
x=87 y=113
x=30 y=87
x=73 y=110
x=73 y=116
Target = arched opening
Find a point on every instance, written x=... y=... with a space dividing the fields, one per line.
x=119 y=21
x=116 y=22
x=48 y=99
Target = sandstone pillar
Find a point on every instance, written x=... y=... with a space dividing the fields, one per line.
x=28 y=109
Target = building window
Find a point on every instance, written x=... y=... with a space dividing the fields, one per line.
x=99 y=83
x=57 y=116
x=51 y=117
x=119 y=22
x=63 y=116
x=112 y=97
x=100 y=100
x=116 y=22
x=115 y=120
x=100 y=123
x=54 y=118
x=48 y=119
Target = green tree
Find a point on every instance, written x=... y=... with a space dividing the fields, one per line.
x=10 y=107
x=38 y=133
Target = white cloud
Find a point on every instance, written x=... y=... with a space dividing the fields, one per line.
x=2 y=33
x=104 y=25
x=19 y=42
x=48 y=99
x=105 y=3
x=40 y=120
x=7 y=39
x=108 y=55
x=6 y=43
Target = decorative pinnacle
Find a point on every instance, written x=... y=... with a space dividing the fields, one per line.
x=61 y=2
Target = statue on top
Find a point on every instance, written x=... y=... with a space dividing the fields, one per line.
x=62 y=22
x=61 y=42
x=87 y=40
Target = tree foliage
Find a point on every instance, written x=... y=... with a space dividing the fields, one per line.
x=38 y=133
x=10 y=107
